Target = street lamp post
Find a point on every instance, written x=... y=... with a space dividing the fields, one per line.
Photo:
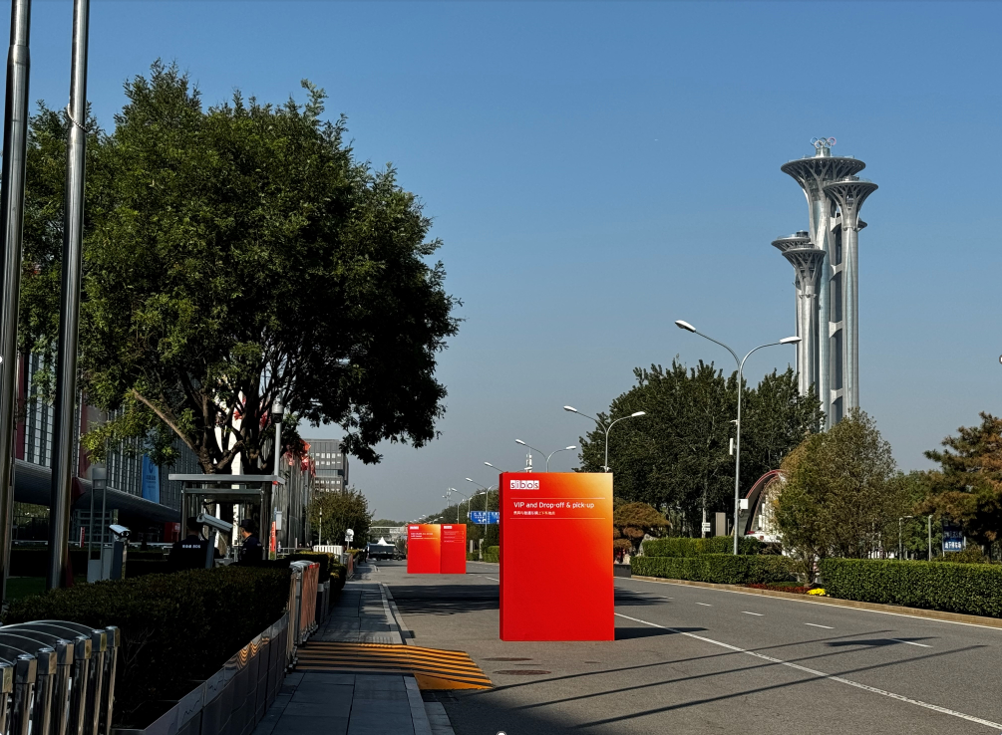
x=900 y=546
x=737 y=442
x=604 y=428
x=562 y=449
x=487 y=491
x=452 y=489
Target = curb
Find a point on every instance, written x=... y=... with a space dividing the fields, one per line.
x=419 y=714
x=910 y=612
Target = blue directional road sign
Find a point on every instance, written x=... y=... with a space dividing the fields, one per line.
x=485 y=517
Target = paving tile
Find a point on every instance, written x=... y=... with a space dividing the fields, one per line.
x=379 y=681
x=297 y=725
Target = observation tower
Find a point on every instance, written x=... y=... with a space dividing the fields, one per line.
x=807 y=262
x=829 y=357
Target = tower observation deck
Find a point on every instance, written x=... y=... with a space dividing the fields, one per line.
x=827 y=265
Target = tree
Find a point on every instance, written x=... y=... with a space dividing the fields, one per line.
x=237 y=255
x=839 y=497
x=677 y=458
x=332 y=513
x=968 y=486
x=633 y=521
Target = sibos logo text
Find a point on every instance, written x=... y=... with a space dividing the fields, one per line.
x=523 y=484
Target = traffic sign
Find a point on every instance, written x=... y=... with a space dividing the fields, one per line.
x=485 y=517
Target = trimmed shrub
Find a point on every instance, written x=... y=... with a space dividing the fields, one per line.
x=176 y=628
x=492 y=554
x=973 y=589
x=678 y=547
x=716 y=568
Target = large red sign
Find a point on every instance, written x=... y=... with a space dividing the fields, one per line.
x=454 y=548
x=424 y=548
x=572 y=601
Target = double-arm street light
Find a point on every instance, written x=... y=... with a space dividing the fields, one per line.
x=563 y=449
x=737 y=442
x=606 y=429
x=487 y=491
x=452 y=489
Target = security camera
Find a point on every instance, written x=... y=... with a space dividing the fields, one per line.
x=120 y=531
x=216 y=523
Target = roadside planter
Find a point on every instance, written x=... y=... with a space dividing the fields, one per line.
x=234 y=699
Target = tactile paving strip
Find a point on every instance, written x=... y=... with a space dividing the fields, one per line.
x=432 y=667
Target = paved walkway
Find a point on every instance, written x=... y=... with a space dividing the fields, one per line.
x=328 y=703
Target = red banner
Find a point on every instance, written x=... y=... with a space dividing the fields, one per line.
x=454 y=548
x=572 y=601
x=424 y=548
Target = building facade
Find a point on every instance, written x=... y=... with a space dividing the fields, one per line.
x=825 y=258
x=331 y=465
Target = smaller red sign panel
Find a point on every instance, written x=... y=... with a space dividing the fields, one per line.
x=454 y=548
x=424 y=548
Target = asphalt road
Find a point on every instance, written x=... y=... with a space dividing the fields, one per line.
x=692 y=660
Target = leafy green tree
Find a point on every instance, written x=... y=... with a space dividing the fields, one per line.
x=968 y=486
x=840 y=497
x=238 y=254
x=677 y=457
x=332 y=513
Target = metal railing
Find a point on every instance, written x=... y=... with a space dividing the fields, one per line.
x=57 y=678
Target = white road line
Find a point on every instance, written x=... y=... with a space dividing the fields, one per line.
x=757 y=615
x=493 y=579
x=830 y=677
x=704 y=604
x=910 y=643
x=817 y=625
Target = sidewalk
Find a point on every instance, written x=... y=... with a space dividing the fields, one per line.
x=345 y=703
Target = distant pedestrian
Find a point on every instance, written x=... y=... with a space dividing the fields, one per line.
x=251 y=552
x=191 y=552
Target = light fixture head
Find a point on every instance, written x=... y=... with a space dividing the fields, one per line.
x=684 y=325
x=638 y=413
x=572 y=446
x=789 y=340
x=571 y=409
x=470 y=479
x=519 y=441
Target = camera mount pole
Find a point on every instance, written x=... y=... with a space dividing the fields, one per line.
x=63 y=435
x=15 y=141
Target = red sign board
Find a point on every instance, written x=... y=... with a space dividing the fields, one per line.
x=454 y=548
x=569 y=602
x=424 y=548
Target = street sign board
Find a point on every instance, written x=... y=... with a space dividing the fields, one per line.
x=485 y=517
x=576 y=601
x=706 y=526
x=953 y=538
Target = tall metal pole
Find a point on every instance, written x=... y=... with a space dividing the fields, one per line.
x=69 y=313
x=737 y=443
x=15 y=141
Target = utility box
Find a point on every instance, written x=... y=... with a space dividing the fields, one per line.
x=720 y=524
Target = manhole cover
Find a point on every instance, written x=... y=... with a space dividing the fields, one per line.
x=507 y=658
x=522 y=672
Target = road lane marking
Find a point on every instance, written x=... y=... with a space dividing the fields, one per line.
x=823 y=675
x=910 y=643
x=493 y=579
x=704 y=604
x=818 y=625
x=757 y=615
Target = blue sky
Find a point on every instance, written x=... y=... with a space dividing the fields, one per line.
x=598 y=170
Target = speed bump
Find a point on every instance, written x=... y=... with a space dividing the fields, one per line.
x=432 y=667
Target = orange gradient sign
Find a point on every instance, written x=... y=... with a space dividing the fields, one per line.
x=453 y=548
x=572 y=601
x=424 y=548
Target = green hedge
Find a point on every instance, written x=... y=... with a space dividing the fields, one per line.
x=716 y=568
x=492 y=554
x=974 y=589
x=678 y=547
x=176 y=628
